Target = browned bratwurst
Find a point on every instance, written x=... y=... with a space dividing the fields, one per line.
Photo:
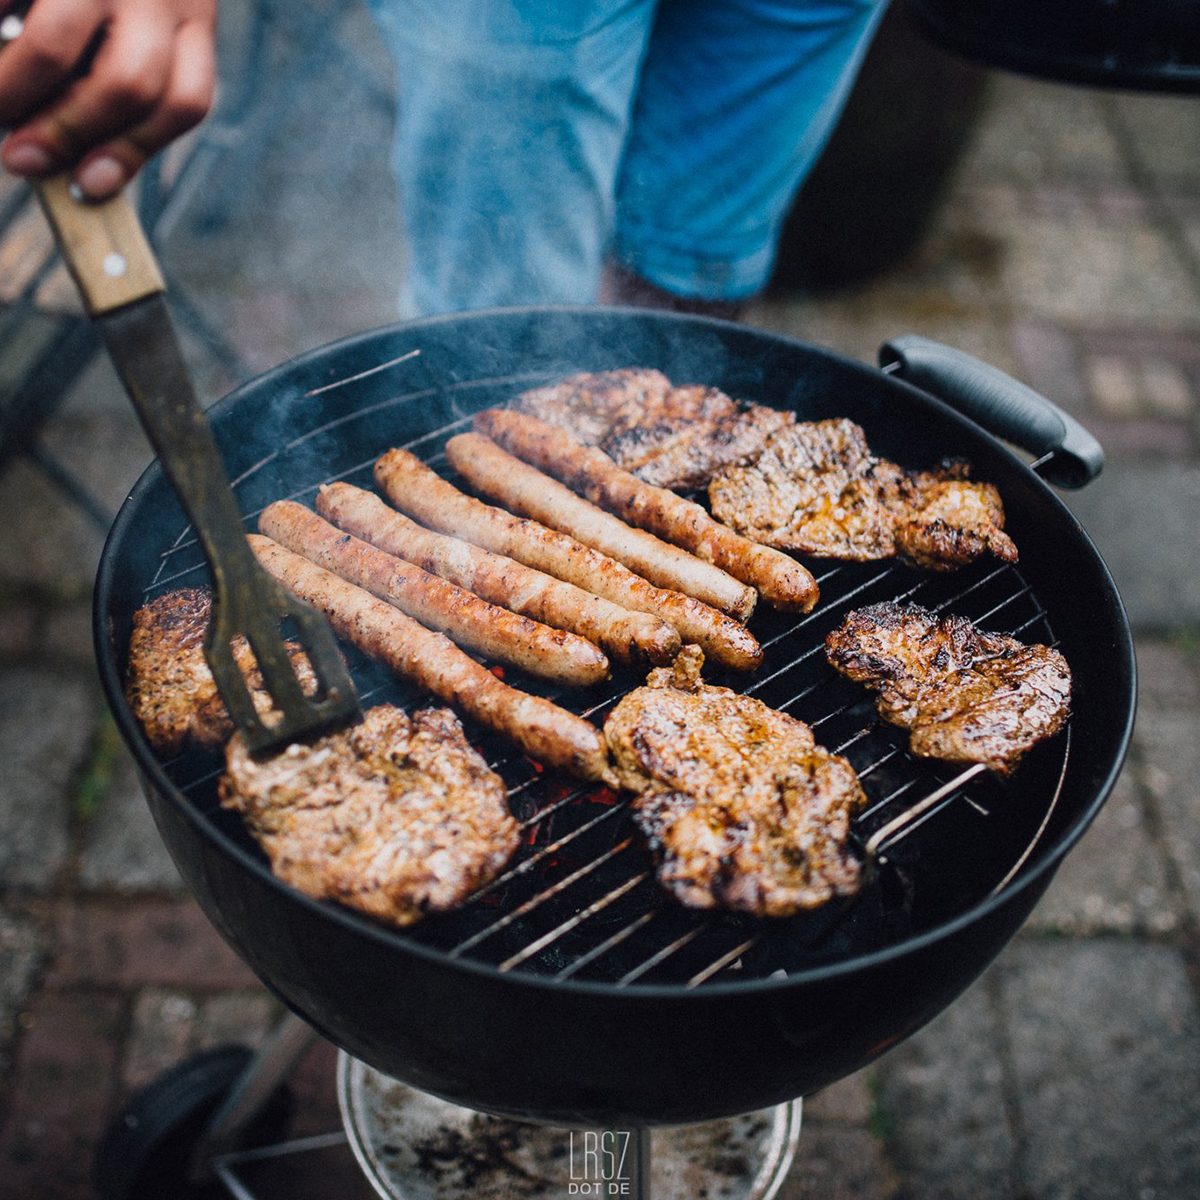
x=526 y=490
x=781 y=581
x=473 y=623
x=629 y=637
x=543 y=730
x=422 y=493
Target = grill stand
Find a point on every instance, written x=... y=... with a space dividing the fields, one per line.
x=412 y=1146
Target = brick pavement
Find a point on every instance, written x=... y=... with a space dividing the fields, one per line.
x=1067 y=252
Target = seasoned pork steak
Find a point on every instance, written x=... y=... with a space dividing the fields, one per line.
x=168 y=684
x=816 y=488
x=741 y=808
x=813 y=489
x=396 y=816
x=964 y=695
x=674 y=437
x=591 y=405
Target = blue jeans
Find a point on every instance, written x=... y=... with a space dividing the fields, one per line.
x=535 y=139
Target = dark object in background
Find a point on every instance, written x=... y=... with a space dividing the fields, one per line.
x=1151 y=45
x=873 y=192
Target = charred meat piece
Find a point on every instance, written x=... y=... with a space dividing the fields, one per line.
x=741 y=808
x=168 y=684
x=682 y=450
x=817 y=489
x=592 y=405
x=675 y=437
x=813 y=489
x=949 y=521
x=964 y=695
x=396 y=816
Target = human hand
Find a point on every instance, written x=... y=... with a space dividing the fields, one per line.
x=102 y=85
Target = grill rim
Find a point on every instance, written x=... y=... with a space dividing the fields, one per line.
x=1120 y=656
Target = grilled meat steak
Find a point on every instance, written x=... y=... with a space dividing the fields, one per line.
x=812 y=489
x=592 y=405
x=945 y=520
x=741 y=808
x=684 y=451
x=168 y=684
x=964 y=695
x=396 y=816
x=816 y=488
x=674 y=437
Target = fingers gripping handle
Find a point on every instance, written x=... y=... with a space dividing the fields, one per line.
x=1000 y=404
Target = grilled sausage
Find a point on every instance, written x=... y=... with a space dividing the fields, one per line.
x=473 y=623
x=526 y=490
x=629 y=637
x=543 y=730
x=781 y=581
x=422 y=493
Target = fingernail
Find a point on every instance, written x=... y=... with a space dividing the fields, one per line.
x=27 y=158
x=100 y=177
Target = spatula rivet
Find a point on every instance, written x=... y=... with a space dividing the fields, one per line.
x=114 y=265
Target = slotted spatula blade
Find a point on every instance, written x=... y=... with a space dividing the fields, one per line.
x=122 y=288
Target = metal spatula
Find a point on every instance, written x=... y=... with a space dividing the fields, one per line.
x=117 y=275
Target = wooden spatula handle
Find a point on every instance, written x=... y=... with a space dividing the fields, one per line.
x=103 y=244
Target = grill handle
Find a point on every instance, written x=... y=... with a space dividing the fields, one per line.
x=999 y=403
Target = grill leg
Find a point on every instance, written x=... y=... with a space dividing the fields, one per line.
x=640 y=1149
x=270 y=1066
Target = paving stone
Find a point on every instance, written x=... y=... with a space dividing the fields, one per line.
x=1140 y=437
x=46 y=725
x=1049 y=362
x=1142 y=518
x=18 y=627
x=243 y=1017
x=942 y=1105
x=1034 y=133
x=1074 y=265
x=1170 y=769
x=67 y=634
x=160 y=1034
x=123 y=851
x=63 y=1085
x=1113 y=880
x=105 y=451
x=1113 y=384
x=153 y=942
x=1106 y=1055
x=22 y=949
x=838 y=1164
x=847 y=1102
x=1166 y=389
x=858 y=325
x=63 y=564
x=1164 y=131
x=1168 y=675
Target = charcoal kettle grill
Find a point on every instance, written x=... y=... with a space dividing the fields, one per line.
x=1143 y=45
x=571 y=991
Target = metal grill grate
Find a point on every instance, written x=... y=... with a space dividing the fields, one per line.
x=579 y=900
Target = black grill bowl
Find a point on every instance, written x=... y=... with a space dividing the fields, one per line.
x=809 y=1001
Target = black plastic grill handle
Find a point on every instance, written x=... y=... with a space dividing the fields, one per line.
x=999 y=403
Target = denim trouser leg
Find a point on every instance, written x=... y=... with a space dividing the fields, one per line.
x=509 y=132
x=533 y=138
x=736 y=100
